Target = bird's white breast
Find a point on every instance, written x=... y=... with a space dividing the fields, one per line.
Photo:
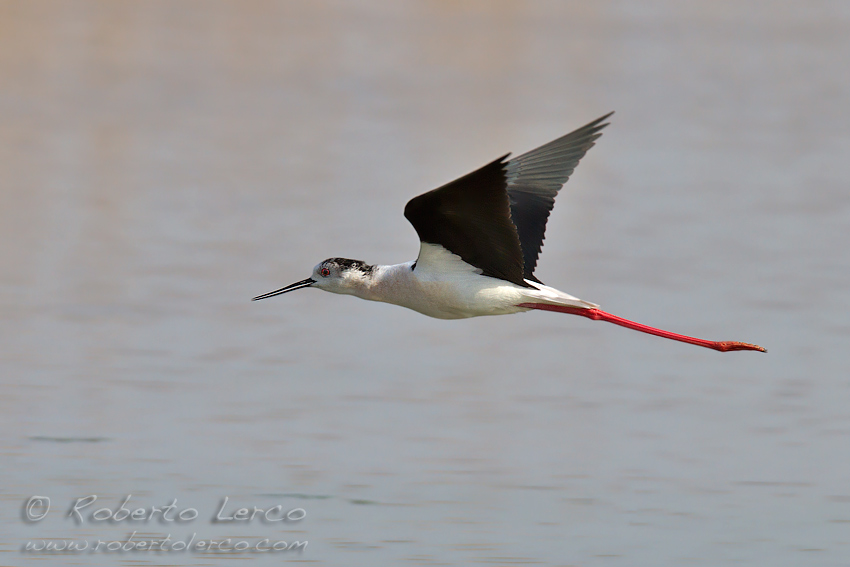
x=440 y=284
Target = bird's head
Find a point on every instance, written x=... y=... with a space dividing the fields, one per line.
x=337 y=275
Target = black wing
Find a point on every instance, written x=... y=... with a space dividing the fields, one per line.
x=471 y=217
x=534 y=179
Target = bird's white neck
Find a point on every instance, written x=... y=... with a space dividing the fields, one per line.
x=389 y=283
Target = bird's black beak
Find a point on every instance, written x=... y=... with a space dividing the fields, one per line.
x=292 y=287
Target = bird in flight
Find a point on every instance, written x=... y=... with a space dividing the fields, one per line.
x=480 y=237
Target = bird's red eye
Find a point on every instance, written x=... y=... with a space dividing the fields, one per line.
x=325 y=272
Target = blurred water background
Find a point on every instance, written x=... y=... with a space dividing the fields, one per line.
x=163 y=162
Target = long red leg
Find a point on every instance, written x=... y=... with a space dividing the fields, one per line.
x=599 y=315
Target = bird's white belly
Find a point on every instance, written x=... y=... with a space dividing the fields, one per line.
x=447 y=296
x=448 y=300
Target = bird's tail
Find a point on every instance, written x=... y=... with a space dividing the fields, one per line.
x=551 y=296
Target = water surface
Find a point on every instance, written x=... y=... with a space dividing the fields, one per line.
x=165 y=162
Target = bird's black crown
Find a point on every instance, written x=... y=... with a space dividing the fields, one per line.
x=347 y=264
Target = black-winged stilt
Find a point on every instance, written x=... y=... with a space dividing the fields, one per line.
x=480 y=237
